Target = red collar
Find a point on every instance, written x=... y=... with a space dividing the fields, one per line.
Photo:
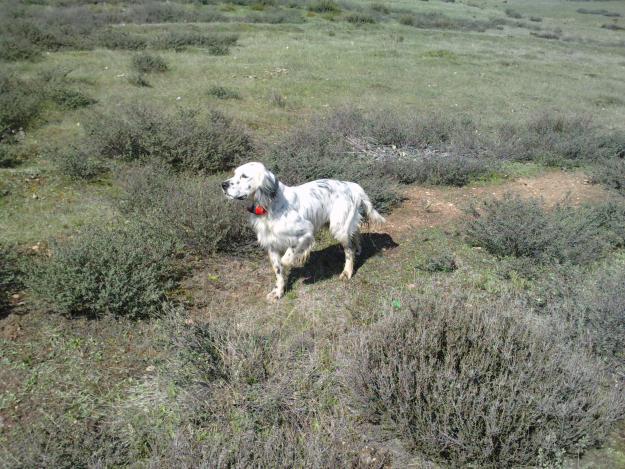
x=257 y=210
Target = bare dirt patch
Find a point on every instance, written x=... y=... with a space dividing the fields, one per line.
x=426 y=207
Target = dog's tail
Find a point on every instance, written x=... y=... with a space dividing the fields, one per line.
x=371 y=214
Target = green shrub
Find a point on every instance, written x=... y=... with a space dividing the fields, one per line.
x=407 y=20
x=439 y=263
x=191 y=209
x=117 y=39
x=598 y=11
x=545 y=35
x=235 y=398
x=9 y=157
x=597 y=316
x=148 y=63
x=184 y=140
x=360 y=18
x=379 y=150
x=9 y=276
x=13 y=50
x=435 y=20
x=470 y=383
x=119 y=271
x=139 y=79
x=611 y=173
x=221 y=92
x=380 y=8
x=69 y=98
x=518 y=227
x=324 y=6
x=555 y=139
x=440 y=169
x=77 y=164
x=513 y=13
x=20 y=104
x=613 y=27
x=180 y=39
x=276 y=16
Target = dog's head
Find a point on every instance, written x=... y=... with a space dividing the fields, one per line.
x=251 y=180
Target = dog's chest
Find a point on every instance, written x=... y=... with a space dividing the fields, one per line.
x=273 y=233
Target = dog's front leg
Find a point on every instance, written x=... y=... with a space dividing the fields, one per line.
x=278 y=268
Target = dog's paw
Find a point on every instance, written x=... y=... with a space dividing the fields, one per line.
x=345 y=275
x=274 y=295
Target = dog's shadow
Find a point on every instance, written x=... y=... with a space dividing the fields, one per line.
x=328 y=262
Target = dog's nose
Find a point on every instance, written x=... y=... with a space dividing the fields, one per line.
x=224 y=185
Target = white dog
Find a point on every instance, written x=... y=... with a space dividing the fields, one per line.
x=286 y=218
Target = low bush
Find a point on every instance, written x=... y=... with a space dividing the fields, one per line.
x=555 y=139
x=77 y=163
x=217 y=43
x=611 y=173
x=598 y=11
x=360 y=18
x=185 y=140
x=518 y=227
x=324 y=6
x=118 y=271
x=170 y=12
x=470 y=383
x=513 y=13
x=237 y=399
x=148 y=63
x=446 y=169
x=9 y=157
x=380 y=8
x=545 y=35
x=435 y=20
x=15 y=49
x=138 y=79
x=613 y=27
x=188 y=208
x=379 y=150
x=70 y=98
x=117 y=39
x=598 y=316
x=20 y=104
x=9 y=276
x=221 y=92
x=444 y=262
x=276 y=16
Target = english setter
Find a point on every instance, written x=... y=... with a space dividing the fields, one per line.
x=286 y=218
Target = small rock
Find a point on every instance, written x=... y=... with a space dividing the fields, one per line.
x=35 y=196
x=15 y=296
x=150 y=368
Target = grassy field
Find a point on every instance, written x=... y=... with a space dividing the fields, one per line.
x=484 y=326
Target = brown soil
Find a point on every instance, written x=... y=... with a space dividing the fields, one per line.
x=435 y=206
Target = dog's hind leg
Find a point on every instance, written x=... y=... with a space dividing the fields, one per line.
x=348 y=270
x=278 y=268
x=357 y=239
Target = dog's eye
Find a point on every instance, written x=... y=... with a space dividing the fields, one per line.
x=243 y=176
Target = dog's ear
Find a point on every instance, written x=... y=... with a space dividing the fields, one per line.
x=267 y=189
